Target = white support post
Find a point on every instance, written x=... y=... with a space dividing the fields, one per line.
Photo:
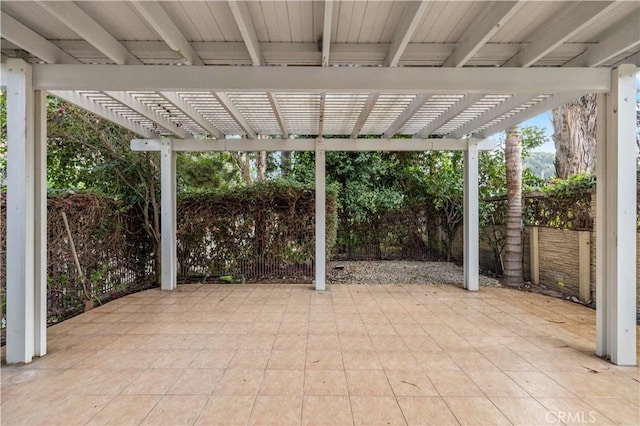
x=616 y=227
x=20 y=213
x=168 y=216
x=321 y=217
x=40 y=232
x=471 y=227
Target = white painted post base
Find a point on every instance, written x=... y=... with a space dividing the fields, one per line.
x=616 y=220
x=321 y=217
x=26 y=216
x=168 y=213
x=471 y=224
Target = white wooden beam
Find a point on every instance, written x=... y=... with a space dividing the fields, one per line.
x=41 y=312
x=364 y=114
x=625 y=38
x=321 y=216
x=27 y=39
x=86 y=27
x=175 y=99
x=616 y=229
x=130 y=102
x=572 y=19
x=326 y=32
x=162 y=23
x=275 y=107
x=602 y=169
x=500 y=109
x=235 y=113
x=334 y=144
x=406 y=115
x=241 y=14
x=20 y=213
x=409 y=23
x=537 y=109
x=464 y=103
x=471 y=220
x=101 y=111
x=322 y=79
x=494 y=17
x=168 y=212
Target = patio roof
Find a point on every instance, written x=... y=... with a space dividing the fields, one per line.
x=454 y=70
x=303 y=35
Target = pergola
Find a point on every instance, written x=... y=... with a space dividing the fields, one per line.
x=245 y=76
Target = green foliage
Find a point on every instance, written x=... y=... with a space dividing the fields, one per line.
x=568 y=188
x=202 y=171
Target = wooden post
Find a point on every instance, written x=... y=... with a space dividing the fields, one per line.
x=584 y=264
x=534 y=253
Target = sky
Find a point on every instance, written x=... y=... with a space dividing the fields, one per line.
x=544 y=121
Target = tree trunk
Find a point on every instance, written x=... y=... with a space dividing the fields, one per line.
x=574 y=135
x=244 y=164
x=285 y=166
x=261 y=161
x=513 y=243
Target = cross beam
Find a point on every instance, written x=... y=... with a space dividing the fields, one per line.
x=200 y=145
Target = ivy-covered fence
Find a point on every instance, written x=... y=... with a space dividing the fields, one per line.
x=114 y=254
x=261 y=232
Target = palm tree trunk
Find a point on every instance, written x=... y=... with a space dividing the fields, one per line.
x=513 y=243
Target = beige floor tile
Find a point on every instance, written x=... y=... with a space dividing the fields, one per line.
x=325 y=383
x=290 y=341
x=368 y=383
x=282 y=382
x=239 y=382
x=574 y=411
x=125 y=410
x=326 y=411
x=376 y=410
x=620 y=410
x=496 y=383
x=277 y=410
x=176 y=410
x=323 y=342
x=324 y=360
x=435 y=361
x=361 y=360
x=196 y=382
x=175 y=358
x=218 y=358
x=73 y=410
x=355 y=342
x=410 y=383
x=258 y=341
x=398 y=360
x=538 y=384
x=524 y=411
x=475 y=411
x=453 y=383
x=226 y=410
x=426 y=411
x=250 y=358
x=287 y=359
x=153 y=382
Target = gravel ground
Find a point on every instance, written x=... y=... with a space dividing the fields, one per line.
x=399 y=272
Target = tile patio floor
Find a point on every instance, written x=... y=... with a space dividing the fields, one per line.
x=356 y=354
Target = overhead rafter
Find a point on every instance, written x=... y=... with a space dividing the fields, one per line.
x=407 y=27
x=82 y=24
x=130 y=102
x=228 y=105
x=201 y=145
x=625 y=38
x=275 y=106
x=513 y=102
x=326 y=32
x=364 y=114
x=27 y=39
x=104 y=112
x=189 y=111
x=551 y=102
x=241 y=14
x=481 y=31
x=162 y=23
x=406 y=115
x=572 y=19
x=453 y=111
